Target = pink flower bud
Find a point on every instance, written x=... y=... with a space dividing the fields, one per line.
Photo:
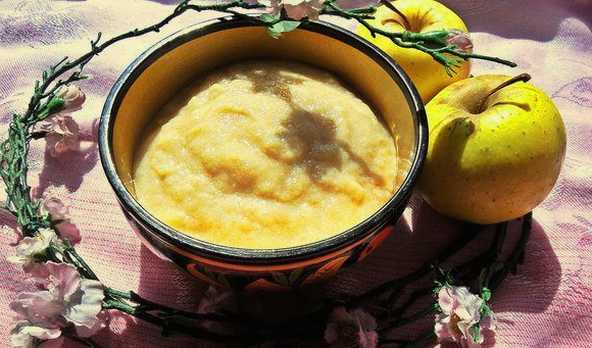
x=56 y=209
x=69 y=232
x=59 y=212
x=460 y=39
x=73 y=98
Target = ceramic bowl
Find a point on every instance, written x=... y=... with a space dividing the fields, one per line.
x=154 y=77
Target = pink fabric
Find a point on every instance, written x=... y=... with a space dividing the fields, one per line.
x=549 y=302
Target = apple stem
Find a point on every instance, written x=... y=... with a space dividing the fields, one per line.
x=524 y=77
x=397 y=11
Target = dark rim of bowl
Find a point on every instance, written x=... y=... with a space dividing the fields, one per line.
x=260 y=256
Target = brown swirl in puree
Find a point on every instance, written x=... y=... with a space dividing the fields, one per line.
x=266 y=155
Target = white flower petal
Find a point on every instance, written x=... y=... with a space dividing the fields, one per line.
x=469 y=305
x=42 y=333
x=445 y=300
x=29 y=247
x=84 y=312
x=100 y=323
x=17 y=259
x=20 y=339
x=72 y=96
x=23 y=334
x=460 y=292
x=461 y=310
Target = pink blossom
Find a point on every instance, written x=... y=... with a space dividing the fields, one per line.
x=64 y=298
x=59 y=212
x=73 y=98
x=460 y=39
x=55 y=208
x=29 y=249
x=62 y=134
x=461 y=320
x=351 y=329
x=298 y=9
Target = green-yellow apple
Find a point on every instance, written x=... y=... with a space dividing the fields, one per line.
x=420 y=16
x=494 y=154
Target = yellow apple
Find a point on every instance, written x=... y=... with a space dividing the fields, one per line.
x=492 y=157
x=423 y=15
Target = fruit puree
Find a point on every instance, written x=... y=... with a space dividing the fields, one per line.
x=265 y=155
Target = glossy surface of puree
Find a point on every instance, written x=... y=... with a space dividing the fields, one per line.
x=266 y=155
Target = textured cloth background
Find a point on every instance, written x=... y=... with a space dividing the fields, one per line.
x=549 y=302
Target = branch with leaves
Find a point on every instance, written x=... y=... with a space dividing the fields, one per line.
x=74 y=300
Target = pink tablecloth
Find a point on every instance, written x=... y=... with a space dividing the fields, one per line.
x=548 y=304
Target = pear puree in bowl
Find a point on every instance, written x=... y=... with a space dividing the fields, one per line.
x=265 y=154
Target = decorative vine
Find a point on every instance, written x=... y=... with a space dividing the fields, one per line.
x=44 y=243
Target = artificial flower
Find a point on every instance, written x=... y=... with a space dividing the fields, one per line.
x=59 y=212
x=69 y=232
x=64 y=298
x=85 y=307
x=55 y=208
x=463 y=317
x=73 y=98
x=30 y=248
x=27 y=335
x=102 y=319
x=62 y=135
x=297 y=9
x=460 y=39
x=351 y=329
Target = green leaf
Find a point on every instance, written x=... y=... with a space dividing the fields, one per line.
x=486 y=311
x=281 y=27
x=54 y=105
x=475 y=331
x=486 y=294
x=269 y=18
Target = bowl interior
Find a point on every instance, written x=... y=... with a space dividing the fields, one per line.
x=159 y=74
